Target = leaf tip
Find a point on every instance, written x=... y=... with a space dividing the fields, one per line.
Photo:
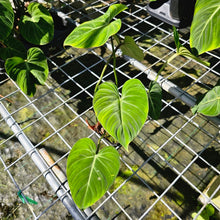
x=194 y=109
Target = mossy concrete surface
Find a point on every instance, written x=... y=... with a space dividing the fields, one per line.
x=153 y=177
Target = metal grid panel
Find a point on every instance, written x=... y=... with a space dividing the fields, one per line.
x=168 y=165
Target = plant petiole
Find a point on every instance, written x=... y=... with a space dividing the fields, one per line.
x=102 y=74
x=114 y=62
x=98 y=145
x=172 y=57
x=108 y=61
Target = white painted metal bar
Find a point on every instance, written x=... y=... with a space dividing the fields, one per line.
x=38 y=161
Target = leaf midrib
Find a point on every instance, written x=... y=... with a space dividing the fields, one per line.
x=93 y=29
x=90 y=175
x=203 y=29
x=212 y=100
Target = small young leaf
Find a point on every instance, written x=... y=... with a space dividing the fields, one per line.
x=210 y=210
x=131 y=49
x=210 y=104
x=37 y=28
x=27 y=73
x=89 y=174
x=6 y=18
x=205 y=28
x=122 y=117
x=181 y=50
x=155 y=100
x=186 y=53
x=14 y=48
x=96 y=32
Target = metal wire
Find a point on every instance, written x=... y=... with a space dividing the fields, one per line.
x=168 y=165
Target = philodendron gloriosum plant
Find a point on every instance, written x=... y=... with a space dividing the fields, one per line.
x=35 y=25
x=91 y=171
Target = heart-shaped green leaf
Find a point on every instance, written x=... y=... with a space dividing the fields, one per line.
x=37 y=28
x=14 y=48
x=131 y=49
x=96 y=32
x=210 y=104
x=155 y=100
x=122 y=117
x=181 y=50
x=205 y=28
x=90 y=174
x=27 y=73
x=6 y=19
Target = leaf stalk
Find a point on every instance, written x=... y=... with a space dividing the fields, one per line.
x=114 y=62
x=98 y=145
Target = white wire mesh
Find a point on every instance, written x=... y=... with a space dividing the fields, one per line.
x=170 y=163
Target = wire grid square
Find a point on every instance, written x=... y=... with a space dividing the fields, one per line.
x=168 y=165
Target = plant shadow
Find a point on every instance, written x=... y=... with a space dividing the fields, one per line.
x=190 y=195
x=210 y=155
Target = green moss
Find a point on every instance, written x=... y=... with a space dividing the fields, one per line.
x=179 y=198
x=47 y=134
x=123 y=175
x=24 y=117
x=161 y=212
x=118 y=181
x=25 y=114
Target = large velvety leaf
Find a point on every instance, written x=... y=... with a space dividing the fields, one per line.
x=122 y=117
x=210 y=104
x=90 y=174
x=28 y=72
x=155 y=100
x=37 y=28
x=96 y=32
x=131 y=49
x=6 y=19
x=181 y=50
x=205 y=28
x=13 y=48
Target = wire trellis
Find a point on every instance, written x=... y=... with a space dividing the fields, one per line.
x=170 y=164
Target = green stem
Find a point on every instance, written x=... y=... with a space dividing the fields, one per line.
x=172 y=57
x=114 y=66
x=114 y=62
x=102 y=74
x=98 y=145
x=161 y=69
